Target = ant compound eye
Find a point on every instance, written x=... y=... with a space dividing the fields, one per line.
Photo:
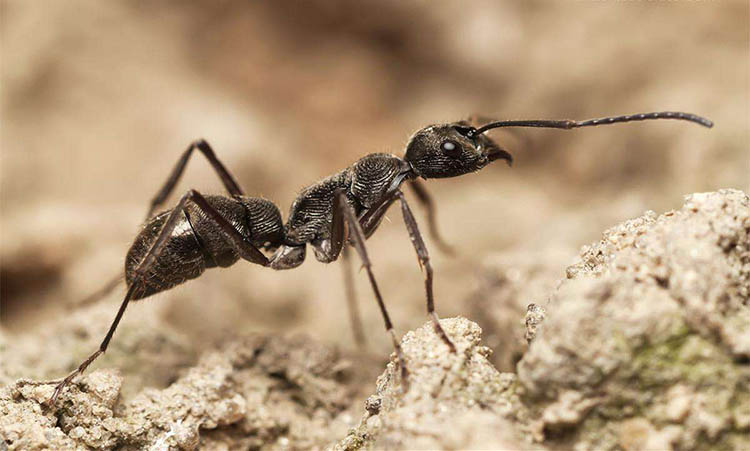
x=451 y=148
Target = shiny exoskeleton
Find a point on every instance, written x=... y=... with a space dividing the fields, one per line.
x=196 y=244
x=203 y=232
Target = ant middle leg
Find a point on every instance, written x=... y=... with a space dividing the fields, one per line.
x=346 y=224
x=351 y=299
x=371 y=219
x=244 y=248
x=424 y=261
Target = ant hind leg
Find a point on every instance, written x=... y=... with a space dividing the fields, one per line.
x=226 y=177
x=243 y=247
x=102 y=292
x=231 y=185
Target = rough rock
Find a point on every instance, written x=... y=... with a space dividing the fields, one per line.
x=454 y=401
x=647 y=342
x=643 y=346
x=147 y=350
x=253 y=391
x=534 y=316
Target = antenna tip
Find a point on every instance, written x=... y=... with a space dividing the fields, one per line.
x=700 y=120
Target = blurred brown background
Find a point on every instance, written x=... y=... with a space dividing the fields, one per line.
x=100 y=98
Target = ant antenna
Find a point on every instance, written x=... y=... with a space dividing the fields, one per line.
x=568 y=124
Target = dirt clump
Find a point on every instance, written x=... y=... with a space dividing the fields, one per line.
x=254 y=391
x=645 y=345
x=454 y=401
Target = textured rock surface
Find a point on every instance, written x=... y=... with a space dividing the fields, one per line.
x=643 y=346
x=282 y=393
x=454 y=401
x=255 y=391
x=646 y=344
x=147 y=350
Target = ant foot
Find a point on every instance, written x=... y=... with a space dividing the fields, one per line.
x=441 y=333
x=401 y=363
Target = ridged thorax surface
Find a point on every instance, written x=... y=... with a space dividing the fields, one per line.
x=312 y=210
x=365 y=183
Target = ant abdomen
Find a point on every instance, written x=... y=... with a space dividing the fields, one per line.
x=196 y=245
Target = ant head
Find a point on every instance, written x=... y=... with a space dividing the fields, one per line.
x=450 y=150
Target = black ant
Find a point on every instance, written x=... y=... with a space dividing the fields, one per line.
x=203 y=232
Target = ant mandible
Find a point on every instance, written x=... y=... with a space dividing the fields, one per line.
x=203 y=232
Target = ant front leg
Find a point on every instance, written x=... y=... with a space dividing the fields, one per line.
x=424 y=262
x=424 y=198
x=226 y=177
x=241 y=244
x=346 y=223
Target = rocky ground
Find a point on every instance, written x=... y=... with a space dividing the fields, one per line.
x=644 y=343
